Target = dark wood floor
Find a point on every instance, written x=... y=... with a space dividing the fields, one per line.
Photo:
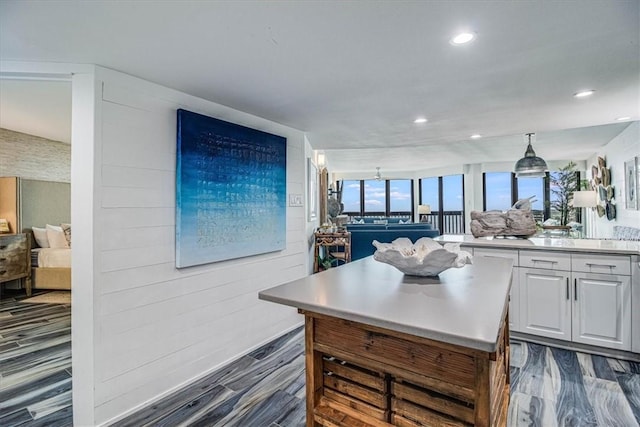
x=550 y=386
x=35 y=363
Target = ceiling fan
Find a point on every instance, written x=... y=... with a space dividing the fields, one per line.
x=377 y=176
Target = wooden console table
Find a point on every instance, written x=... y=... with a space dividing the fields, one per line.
x=337 y=240
x=385 y=349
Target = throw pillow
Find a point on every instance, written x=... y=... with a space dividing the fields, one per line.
x=380 y=221
x=66 y=228
x=56 y=237
x=40 y=234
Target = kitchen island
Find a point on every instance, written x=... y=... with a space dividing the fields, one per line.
x=386 y=349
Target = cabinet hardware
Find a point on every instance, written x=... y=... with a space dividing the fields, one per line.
x=568 y=288
x=2 y=272
x=575 y=289
x=2 y=259
x=544 y=260
x=590 y=264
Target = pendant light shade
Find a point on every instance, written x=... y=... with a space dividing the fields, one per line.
x=530 y=166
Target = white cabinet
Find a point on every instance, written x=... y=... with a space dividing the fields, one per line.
x=514 y=294
x=576 y=305
x=591 y=298
x=602 y=310
x=545 y=303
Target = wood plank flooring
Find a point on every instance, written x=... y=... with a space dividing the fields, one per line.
x=35 y=363
x=550 y=386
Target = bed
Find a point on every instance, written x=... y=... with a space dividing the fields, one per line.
x=51 y=257
x=50 y=268
x=30 y=205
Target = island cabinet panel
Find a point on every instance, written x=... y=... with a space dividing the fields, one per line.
x=362 y=375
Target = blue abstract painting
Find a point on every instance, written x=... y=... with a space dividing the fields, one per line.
x=230 y=191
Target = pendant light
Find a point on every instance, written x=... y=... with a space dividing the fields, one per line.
x=530 y=166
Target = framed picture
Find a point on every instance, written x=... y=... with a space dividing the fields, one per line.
x=637 y=182
x=631 y=187
x=312 y=190
x=230 y=191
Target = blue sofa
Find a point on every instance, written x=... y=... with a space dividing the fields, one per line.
x=362 y=235
x=378 y=219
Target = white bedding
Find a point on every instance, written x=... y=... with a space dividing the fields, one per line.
x=50 y=257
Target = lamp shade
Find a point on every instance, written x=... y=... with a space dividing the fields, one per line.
x=584 y=199
x=530 y=166
x=424 y=209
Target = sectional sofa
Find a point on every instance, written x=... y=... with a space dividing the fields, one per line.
x=362 y=235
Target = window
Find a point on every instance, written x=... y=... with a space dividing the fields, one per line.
x=452 y=193
x=528 y=187
x=393 y=197
x=374 y=197
x=400 y=196
x=430 y=193
x=445 y=197
x=498 y=191
x=351 y=197
x=503 y=189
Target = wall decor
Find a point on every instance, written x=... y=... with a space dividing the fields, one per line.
x=631 y=195
x=637 y=182
x=230 y=190
x=312 y=190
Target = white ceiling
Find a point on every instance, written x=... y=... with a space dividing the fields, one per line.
x=354 y=74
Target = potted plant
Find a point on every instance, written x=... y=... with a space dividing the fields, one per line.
x=563 y=184
x=324 y=263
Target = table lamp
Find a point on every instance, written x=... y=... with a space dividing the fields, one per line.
x=423 y=211
x=585 y=199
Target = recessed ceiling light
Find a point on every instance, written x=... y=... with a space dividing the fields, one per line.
x=583 y=93
x=621 y=119
x=420 y=120
x=476 y=136
x=463 y=38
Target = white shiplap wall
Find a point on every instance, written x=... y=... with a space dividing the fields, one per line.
x=620 y=149
x=159 y=327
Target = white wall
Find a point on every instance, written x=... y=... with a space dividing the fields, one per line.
x=32 y=157
x=152 y=327
x=620 y=149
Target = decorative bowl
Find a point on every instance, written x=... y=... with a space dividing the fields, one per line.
x=425 y=257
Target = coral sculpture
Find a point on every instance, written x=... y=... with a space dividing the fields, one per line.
x=425 y=257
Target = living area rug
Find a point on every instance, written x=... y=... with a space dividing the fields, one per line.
x=57 y=297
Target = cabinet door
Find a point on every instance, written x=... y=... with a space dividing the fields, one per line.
x=602 y=310
x=545 y=304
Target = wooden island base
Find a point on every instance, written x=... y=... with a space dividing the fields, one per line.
x=362 y=375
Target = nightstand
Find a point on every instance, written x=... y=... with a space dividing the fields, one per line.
x=15 y=259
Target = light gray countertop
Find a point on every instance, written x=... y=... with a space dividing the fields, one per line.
x=462 y=306
x=571 y=245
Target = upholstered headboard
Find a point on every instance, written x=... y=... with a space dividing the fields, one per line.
x=44 y=202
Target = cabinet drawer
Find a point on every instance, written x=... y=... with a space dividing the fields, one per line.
x=511 y=254
x=10 y=270
x=603 y=264
x=546 y=260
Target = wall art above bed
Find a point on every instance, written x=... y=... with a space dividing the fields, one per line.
x=230 y=191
